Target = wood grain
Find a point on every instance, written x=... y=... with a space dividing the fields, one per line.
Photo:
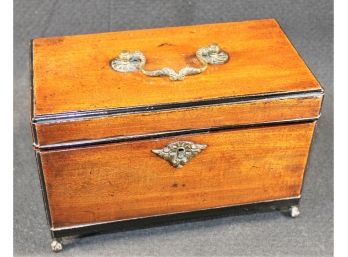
x=126 y=180
x=191 y=118
x=72 y=73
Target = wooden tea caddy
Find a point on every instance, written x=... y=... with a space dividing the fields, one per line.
x=121 y=141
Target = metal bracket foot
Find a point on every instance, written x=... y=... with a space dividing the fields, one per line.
x=57 y=245
x=294 y=211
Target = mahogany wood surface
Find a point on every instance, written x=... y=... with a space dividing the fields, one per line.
x=178 y=119
x=126 y=180
x=72 y=73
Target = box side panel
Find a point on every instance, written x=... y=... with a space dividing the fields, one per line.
x=127 y=180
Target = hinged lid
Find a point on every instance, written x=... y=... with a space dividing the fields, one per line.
x=74 y=76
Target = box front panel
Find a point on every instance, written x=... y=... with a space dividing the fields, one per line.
x=128 y=180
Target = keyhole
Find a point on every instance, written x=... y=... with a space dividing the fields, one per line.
x=181 y=152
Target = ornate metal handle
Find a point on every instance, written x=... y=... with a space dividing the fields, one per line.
x=135 y=61
x=180 y=152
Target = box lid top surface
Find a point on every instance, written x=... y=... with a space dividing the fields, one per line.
x=73 y=73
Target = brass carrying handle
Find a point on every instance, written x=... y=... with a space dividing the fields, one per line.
x=135 y=61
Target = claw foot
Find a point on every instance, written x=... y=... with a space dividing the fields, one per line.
x=294 y=211
x=56 y=246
